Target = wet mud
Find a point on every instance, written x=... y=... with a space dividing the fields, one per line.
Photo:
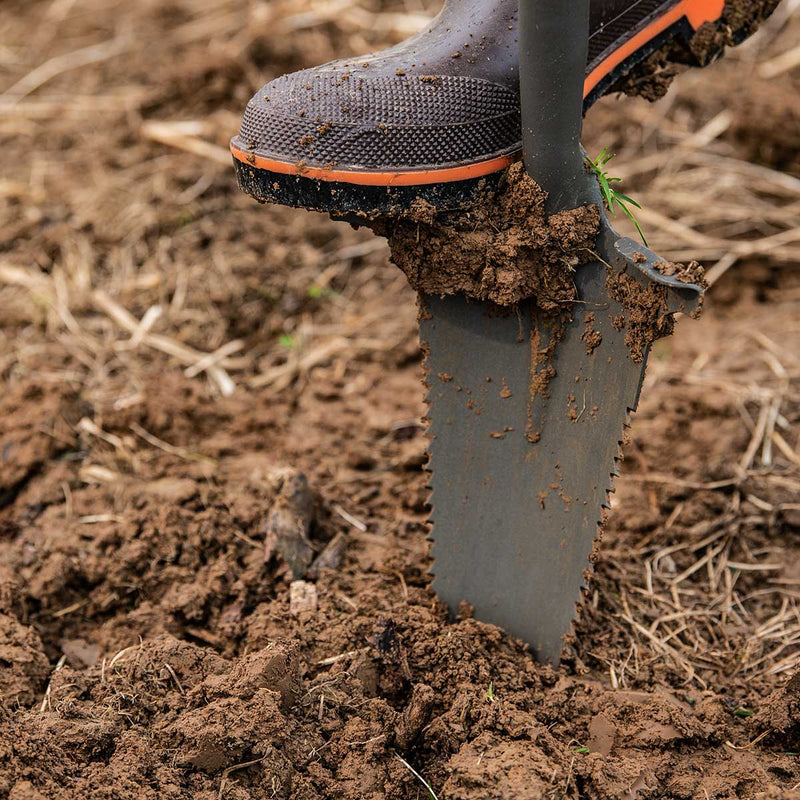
x=651 y=78
x=504 y=250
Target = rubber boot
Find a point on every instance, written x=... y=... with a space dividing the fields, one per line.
x=437 y=116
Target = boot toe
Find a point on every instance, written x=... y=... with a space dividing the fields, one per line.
x=348 y=119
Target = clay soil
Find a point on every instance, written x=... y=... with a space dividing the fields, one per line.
x=505 y=249
x=213 y=555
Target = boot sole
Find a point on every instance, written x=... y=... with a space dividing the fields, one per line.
x=694 y=32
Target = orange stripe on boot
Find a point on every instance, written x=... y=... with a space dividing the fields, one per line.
x=698 y=12
x=359 y=178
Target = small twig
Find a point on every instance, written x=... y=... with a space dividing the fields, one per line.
x=714 y=273
x=328 y=662
x=347 y=517
x=180 y=452
x=653 y=477
x=184 y=136
x=46 y=699
x=174 y=677
x=755 y=439
x=749 y=744
x=122 y=653
x=783 y=63
x=234 y=768
x=64 y=63
x=212 y=359
x=187 y=355
x=63 y=612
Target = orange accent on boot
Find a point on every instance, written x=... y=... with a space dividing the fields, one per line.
x=697 y=12
x=701 y=11
x=362 y=178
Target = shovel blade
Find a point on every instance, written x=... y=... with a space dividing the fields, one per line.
x=526 y=420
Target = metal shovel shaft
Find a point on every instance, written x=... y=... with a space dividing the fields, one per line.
x=554 y=44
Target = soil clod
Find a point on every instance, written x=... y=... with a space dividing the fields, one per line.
x=503 y=250
x=288 y=524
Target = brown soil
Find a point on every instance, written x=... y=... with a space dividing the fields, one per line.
x=206 y=594
x=505 y=249
x=149 y=643
x=645 y=318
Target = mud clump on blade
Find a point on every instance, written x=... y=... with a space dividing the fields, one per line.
x=647 y=315
x=505 y=249
x=685 y=273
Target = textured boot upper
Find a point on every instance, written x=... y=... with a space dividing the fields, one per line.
x=445 y=97
x=333 y=117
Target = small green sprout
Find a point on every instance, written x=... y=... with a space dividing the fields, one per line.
x=490 y=693
x=744 y=712
x=287 y=341
x=610 y=194
x=316 y=292
x=581 y=751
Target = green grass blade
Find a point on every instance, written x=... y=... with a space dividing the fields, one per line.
x=610 y=195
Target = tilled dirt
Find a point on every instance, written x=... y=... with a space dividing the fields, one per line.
x=152 y=649
x=206 y=594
